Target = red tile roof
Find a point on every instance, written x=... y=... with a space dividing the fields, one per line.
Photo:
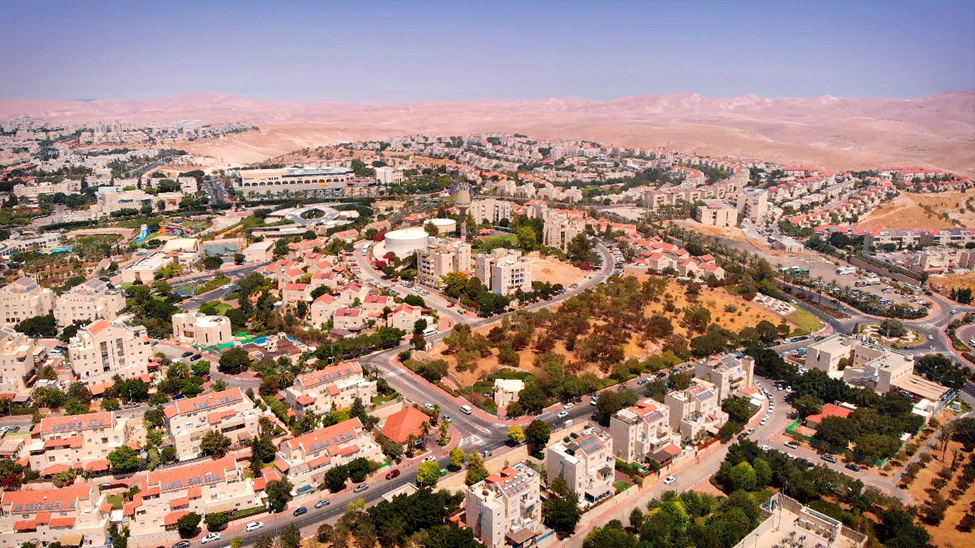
x=58 y=523
x=401 y=424
x=173 y=517
x=205 y=402
x=74 y=423
x=829 y=410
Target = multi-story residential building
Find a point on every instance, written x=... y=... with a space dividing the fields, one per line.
x=491 y=210
x=323 y=308
x=716 y=213
x=586 y=464
x=504 y=271
x=727 y=372
x=696 y=410
x=106 y=348
x=403 y=317
x=558 y=231
x=753 y=204
x=441 y=257
x=505 y=508
x=827 y=353
x=335 y=386
x=200 y=329
x=306 y=458
x=331 y=181
x=77 y=441
x=350 y=319
x=88 y=302
x=70 y=515
x=229 y=412
x=19 y=358
x=642 y=432
x=388 y=175
x=207 y=487
x=23 y=299
x=67 y=186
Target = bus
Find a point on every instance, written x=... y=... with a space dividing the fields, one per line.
x=844 y=270
x=365 y=249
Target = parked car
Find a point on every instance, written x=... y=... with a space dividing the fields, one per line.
x=429 y=458
x=563 y=414
x=669 y=480
x=186 y=354
x=300 y=511
x=428 y=405
x=853 y=467
x=569 y=405
x=394 y=473
x=253 y=526
x=829 y=458
x=446 y=418
x=212 y=537
x=360 y=488
x=182 y=544
x=322 y=503
x=792 y=445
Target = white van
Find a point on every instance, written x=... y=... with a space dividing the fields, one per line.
x=466 y=409
x=429 y=331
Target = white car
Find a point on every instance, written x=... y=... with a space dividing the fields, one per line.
x=764 y=421
x=253 y=526
x=766 y=448
x=669 y=480
x=429 y=458
x=428 y=405
x=569 y=405
x=210 y=538
x=563 y=414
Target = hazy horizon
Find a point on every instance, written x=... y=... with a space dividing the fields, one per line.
x=398 y=53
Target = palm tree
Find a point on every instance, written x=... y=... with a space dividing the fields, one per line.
x=178 y=370
x=947 y=430
x=425 y=427
x=435 y=416
x=411 y=442
x=445 y=433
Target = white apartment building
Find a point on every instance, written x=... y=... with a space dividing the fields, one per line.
x=441 y=257
x=642 y=432
x=388 y=175
x=32 y=191
x=22 y=299
x=198 y=329
x=308 y=457
x=77 y=441
x=753 y=204
x=111 y=199
x=19 y=358
x=331 y=181
x=90 y=301
x=106 y=348
x=229 y=412
x=716 y=213
x=491 y=210
x=506 y=508
x=586 y=464
x=334 y=386
x=207 y=487
x=70 y=515
x=727 y=372
x=145 y=268
x=504 y=271
x=696 y=411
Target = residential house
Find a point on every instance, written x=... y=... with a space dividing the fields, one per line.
x=80 y=442
x=506 y=508
x=20 y=357
x=642 y=432
x=229 y=412
x=334 y=387
x=88 y=302
x=72 y=515
x=106 y=348
x=696 y=411
x=726 y=372
x=22 y=299
x=197 y=329
x=306 y=458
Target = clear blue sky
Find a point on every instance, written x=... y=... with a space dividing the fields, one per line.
x=411 y=51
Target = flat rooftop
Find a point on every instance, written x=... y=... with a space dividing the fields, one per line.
x=792 y=525
x=921 y=387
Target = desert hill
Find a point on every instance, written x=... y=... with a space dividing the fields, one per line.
x=829 y=132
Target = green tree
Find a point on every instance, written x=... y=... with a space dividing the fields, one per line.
x=214 y=443
x=537 y=435
x=38 y=327
x=336 y=477
x=457 y=456
x=532 y=398
x=124 y=460
x=217 y=521
x=561 y=512
x=234 y=361
x=743 y=477
x=428 y=473
x=186 y=525
x=278 y=494
x=290 y=537
x=264 y=540
x=763 y=472
x=806 y=405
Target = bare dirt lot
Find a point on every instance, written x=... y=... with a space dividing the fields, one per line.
x=946 y=534
x=945 y=283
x=907 y=211
x=553 y=271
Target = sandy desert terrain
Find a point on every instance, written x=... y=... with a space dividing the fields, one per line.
x=828 y=132
x=907 y=211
